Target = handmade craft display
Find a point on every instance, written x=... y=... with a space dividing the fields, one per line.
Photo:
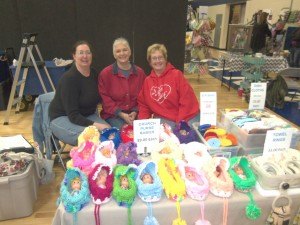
x=111 y=134
x=101 y=186
x=185 y=133
x=149 y=188
x=74 y=192
x=166 y=149
x=90 y=133
x=106 y=154
x=124 y=187
x=244 y=181
x=173 y=185
x=83 y=156
x=127 y=133
x=166 y=132
x=126 y=154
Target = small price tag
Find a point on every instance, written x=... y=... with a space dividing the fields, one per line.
x=208 y=108
x=258 y=95
x=146 y=134
x=277 y=141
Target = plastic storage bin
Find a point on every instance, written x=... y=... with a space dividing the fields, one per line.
x=18 y=193
x=251 y=141
x=221 y=151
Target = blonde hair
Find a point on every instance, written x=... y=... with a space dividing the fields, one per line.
x=156 y=47
x=121 y=40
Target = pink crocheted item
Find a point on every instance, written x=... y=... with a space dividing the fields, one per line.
x=220 y=181
x=101 y=193
x=197 y=186
x=83 y=156
x=106 y=154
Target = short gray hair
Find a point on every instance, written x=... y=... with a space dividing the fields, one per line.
x=121 y=40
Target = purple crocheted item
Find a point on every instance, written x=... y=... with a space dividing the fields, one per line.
x=126 y=154
x=185 y=133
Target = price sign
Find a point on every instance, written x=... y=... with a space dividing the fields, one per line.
x=277 y=141
x=208 y=108
x=258 y=95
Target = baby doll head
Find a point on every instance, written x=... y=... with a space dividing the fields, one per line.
x=76 y=184
x=111 y=136
x=106 y=152
x=238 y=170
x=147 y=178
x=90 y=132
x=124 y=182
x=189 y=174
x=165 y=150
x=101 y=178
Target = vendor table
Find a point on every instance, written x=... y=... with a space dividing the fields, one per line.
x=33 y=85
x=165 y=211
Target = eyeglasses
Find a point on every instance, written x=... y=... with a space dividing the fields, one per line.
x=87 y=52
x=159 y=58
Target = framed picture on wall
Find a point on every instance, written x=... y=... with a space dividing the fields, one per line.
x=239 y=37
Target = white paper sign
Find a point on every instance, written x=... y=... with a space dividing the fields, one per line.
x=277 y=141
x=208 y=108
x=146 y=134
x=258 y=95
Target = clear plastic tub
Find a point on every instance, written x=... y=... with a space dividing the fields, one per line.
x=18 y=194
x=220 y=151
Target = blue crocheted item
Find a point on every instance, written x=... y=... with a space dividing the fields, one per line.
x=107 y=135
x=74 y=201
x=149 y=192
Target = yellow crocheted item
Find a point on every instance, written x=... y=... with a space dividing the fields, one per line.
x=90 y=133
x=166 y=149
x=70 y=164
x=172 y=183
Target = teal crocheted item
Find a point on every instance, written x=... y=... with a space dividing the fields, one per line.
x=74 y=201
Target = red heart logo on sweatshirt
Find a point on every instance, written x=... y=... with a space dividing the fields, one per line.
x=160 y=93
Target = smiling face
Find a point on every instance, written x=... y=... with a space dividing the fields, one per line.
x=158 y=62
x=83 y=56
x=122 y=53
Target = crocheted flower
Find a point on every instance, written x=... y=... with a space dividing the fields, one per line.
x=126 y=154
x=106 y=154
x=101 y=183
x=148 y=182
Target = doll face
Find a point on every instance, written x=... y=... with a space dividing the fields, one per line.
x=124 y=182
x=76 y=184
x=190 y=175
x=106 y=152
x=147 y=178
x=238 y=170
x=165 y=150
x=101 y=178
x=130 y=133
x=126 y=152
x=183 y=132
x=111 y=136
x=198 y=153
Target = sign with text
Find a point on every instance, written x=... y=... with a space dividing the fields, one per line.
x=277 y=141
x=146 y=134
x=208 y=108
x=258 y=95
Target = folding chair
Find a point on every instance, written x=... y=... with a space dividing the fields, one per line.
x=42 y=133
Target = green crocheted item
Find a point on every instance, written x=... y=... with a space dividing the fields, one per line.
x=124 y=197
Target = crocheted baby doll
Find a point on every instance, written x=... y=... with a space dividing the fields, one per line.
x=106 y=154
x=101 y=186
x=127 y=133
x=166 y=149
x=185 y=133
x=83 y=156
x=149 y=188
x=90 y=133
x=126 y=154
x=167 y=133
x=124 y=187
x=74 y=191
x=111 y=134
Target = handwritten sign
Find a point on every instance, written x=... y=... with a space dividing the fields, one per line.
x=277 y=141
x=208 y=108
x=146 y=134
x=258 y=95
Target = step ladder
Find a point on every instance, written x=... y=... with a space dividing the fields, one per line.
x=28 y=43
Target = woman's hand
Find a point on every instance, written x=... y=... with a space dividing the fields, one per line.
x=128 y=118
x=101 y=126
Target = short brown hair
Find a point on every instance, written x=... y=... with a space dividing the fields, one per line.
x=157 y=47
x=81 y=42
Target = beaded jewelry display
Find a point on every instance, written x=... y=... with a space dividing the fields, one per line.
x=111 y=134
x=244 y=181
x=124 y=187
x=126 y=154
x=101 y=186
x=173 y=185
x=76 y=197
x=149 y=188
x=185 y=133
x=106 y=154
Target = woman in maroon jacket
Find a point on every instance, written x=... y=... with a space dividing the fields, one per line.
x=119 y=85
